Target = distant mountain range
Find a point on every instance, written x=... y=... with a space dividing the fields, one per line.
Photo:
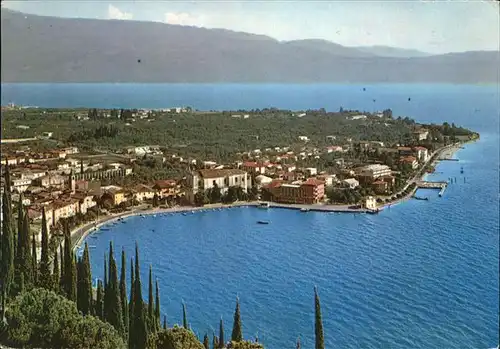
x=52 y=49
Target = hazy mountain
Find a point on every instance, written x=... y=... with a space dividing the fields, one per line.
x=387 y=51
x=50 y=49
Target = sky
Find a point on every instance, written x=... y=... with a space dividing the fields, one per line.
x=434 y=26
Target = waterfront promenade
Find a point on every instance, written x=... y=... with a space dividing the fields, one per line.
x=79 y=233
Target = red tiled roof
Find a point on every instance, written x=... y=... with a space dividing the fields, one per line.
x=166 y=183
x=313 y=181
x=420 y=148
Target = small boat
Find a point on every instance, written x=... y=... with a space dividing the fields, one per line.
x=303 y=209
x=264 y=205
x=123 y=221
x=104 y=229
x=462 y=170
x=420 y=198
x=262 y=222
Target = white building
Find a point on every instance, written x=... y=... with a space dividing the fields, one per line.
x=223 y=179
x=422 y=154
x=375 y=171
x=350 y=183
x=370 y=203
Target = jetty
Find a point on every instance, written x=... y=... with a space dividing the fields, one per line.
x=433 y=185
x=324 y=208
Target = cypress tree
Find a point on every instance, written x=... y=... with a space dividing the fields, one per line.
x=8 y=253
x=69 y=268
x=206 y=344
x=84 y=291
x=237 y=335
x=221 y=333
x=63 y=272
x=123 y=292
x=151 y=314
x=34 y=260
x=131 y=305
x=27 y=260
x=56 y=276
x=99 y=301
x=113 y=313
x=139 y=321
x=184 y=316
x=157 y=307
x=18 y=258
x=45 y=276
x=318 y=324
x=215 y=341
x=106 y=301
x=74 y=275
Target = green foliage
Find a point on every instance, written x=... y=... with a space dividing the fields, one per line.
x=138 y=326
x=245 y=345
x=112 y=300
x=45 y=275
x=174 y=338
x=157 y=307
x=8 y=253
x=84 y=291
x=341 y=195
x=41 y=318
x=237 y=335
x=123 y=291
x=90 y=332
x=318 y=322
x=99 y=303
x=56 y=275
x=69 y=276
x=184 y=316
x=206 y=342
x=221 y=334
x=151 y=314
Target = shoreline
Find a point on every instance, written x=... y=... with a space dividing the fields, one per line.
x=79 y=234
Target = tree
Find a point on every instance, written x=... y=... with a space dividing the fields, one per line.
x=151 y=314
x=215 y=194
x=69 y=268
x=318 y=323
x=99 y=303
x=45 y=275
x=155 y=200
x=123 y=292
x=206 y=343
x=139 y=319
x=157 y=307
x=41 y=318
x=63 y=272
x=174 y=338
x=112 y=301
x=34 y=260
x=215 y=341
x=84 y=292
x=131 y=306
x=237 y=335
x=164 y=322
x=184 y=316
x=23 y=262
x=7 y=267
x=221 y=333
x=56 y=274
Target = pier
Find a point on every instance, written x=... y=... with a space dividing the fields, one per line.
x=433 y=185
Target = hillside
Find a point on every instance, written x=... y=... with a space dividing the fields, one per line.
x=50 y=49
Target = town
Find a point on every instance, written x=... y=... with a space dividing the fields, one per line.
x=75 y=186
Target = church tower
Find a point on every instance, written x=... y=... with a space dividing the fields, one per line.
x=72 y=182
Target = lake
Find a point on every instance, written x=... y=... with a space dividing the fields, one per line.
x=422 y=274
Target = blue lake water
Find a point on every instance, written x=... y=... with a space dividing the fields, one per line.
x=423 y=274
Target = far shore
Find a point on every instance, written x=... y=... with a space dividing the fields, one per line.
x=80 y=233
